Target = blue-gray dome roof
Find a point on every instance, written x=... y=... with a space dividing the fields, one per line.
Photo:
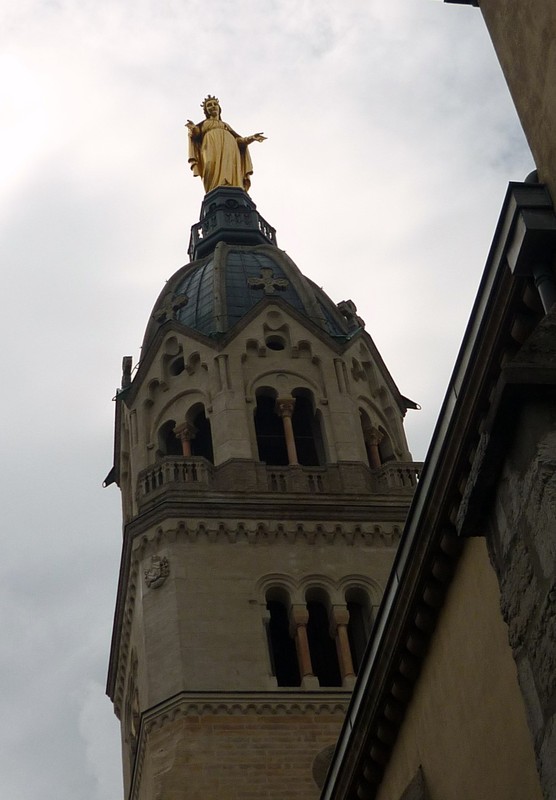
x=213 y=294
x=235 y=265
x=241 y=295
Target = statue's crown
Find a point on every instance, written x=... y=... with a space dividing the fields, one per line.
x=207 y=98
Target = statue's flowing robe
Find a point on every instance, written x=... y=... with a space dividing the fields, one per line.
x=219 y=155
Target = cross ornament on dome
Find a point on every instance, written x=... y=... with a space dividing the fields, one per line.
x=171 y=304
x=268 y=282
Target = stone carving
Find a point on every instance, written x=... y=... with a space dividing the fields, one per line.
x=171 y=304
x=157 y=573
x=268 y=282
x=348 y=309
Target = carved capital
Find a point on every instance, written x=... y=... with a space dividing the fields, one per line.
x=284 y=406
x=339 y=615
x=299 y=615
x=374 y=436
x=185 y=431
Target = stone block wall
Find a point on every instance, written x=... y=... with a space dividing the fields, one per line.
x=522 y=546
x=244 y=755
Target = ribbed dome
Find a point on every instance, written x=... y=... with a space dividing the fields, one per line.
x=236 y=264
x=213 y=294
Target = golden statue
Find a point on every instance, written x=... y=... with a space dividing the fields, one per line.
x=217 y=153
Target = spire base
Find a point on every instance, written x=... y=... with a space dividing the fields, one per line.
x=228 y=215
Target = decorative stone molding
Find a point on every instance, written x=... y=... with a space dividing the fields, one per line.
x=253 y=531
x=156 y=574
x=272 y=704
x=296 y=588
x=127 y=618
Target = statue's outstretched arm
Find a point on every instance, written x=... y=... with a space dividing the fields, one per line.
x=256 y=137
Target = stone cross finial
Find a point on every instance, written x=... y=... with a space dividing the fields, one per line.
x=268 y=282
x=170 y=306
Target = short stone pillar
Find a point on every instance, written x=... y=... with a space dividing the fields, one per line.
x=185 y=432
x=299 y=617
x=284 y=408
x=339 y=619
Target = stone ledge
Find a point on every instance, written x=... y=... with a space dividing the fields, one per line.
x=275 y=703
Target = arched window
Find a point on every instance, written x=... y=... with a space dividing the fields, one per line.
x=385 y=447
x=322 y=647
x=365 y=428
x=201 y=443
x=168 y=442
x=307 y=430
x=282 y=647
x=359 y=625
x=269 y=430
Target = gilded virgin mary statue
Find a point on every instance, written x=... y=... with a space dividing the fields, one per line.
x=217 y=153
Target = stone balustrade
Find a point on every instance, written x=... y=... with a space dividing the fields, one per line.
x=194 y=472
x=397 y=475
x=197 y=474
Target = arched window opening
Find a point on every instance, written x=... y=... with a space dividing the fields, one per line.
x=322 y=647
x=177 y=366
x=365 y=428
x=168 y=442
x=201 y=443
x=307 y=431
x=385 y=447
x=275 y=342
x=359 y=625
x=269 y=430
x=372 y=438
x=281 y=645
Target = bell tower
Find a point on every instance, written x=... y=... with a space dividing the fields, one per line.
x=265 y=478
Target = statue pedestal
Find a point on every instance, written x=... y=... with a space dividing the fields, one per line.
x=228 y=214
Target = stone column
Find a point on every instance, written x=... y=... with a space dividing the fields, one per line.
x=299 y=617
x=339 y=619
x=284 y=409
x=373 y=438
x=185 y=432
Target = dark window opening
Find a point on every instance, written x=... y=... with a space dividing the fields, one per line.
x=358 y=632
x=307 y=433
x=269 y=429
x=201 y=444
x=365 y=427
x=177 y=366
x=322 y=647
x=282 y=647
x=168 y=442
x=385 y=447
x=275 y=343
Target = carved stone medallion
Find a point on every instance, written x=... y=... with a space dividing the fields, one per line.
x=157 y=573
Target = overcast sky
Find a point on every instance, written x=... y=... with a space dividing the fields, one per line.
x=391 y=139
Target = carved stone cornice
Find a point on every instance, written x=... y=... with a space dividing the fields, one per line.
x=267 y=532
